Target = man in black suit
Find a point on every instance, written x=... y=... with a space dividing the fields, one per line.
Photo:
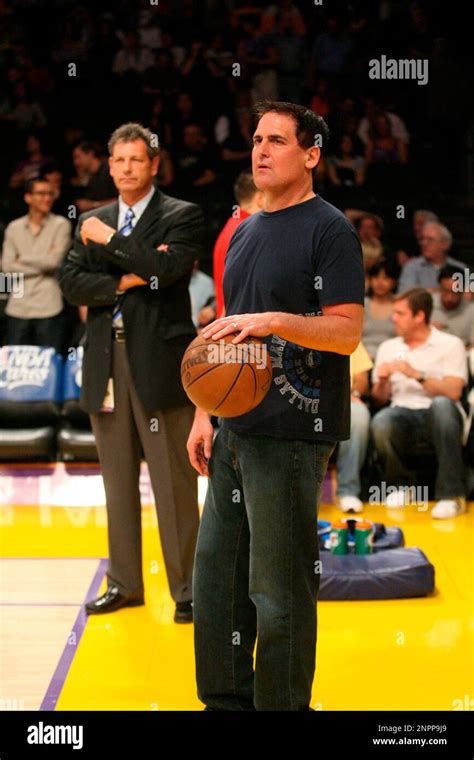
x=130 y=265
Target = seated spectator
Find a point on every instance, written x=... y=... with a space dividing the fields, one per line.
x=451 y=311
x=236 y=149
x=149 y=30
x=51 y=172
x=34 y=247
x=258 y=53
x=423 y=271
x=421 y=373
x=219 y=61
x=370 y=229
x=203 y=297
x=292 y=59
x=330 y=51
x=351 y=454
x=320 y=102
x=30 y=166
x=397 y=126
x=344 y=167
x=240 y=116
x=378 y=324
x=196 y=73
x=104 y=45
x=162 y=78
x=72 y=42
x=249 y=200
x=26 y=112
x=288 y=10
x=382 y=146
x=196 y=163
x=185 y=112
x=420 y=217
x=100 y=189
x=158 y=123
x=344 y=121
x=133 y=58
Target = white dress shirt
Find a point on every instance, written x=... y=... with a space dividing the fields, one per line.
x=137 y=209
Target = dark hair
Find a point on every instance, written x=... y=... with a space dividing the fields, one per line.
x=383 y=265
x=30 y=184
x=344 y=136
x=449 y=271
x=90 y=147
x=418 y=299
x=48 y=167
x=379 y=114
x=194 y=124
x=133 y=131
x=308 y=124
x=244 y=187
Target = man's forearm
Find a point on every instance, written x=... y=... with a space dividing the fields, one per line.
x=338 y=334
x=381 y=392
x=201 y=414
x=436 y=387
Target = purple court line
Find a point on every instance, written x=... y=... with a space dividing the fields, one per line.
x=62 y=669
x=37 y=604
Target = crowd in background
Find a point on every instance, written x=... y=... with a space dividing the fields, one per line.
x=191 y=72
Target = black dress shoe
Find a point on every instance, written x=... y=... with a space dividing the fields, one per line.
x=113 y=600
x=183 y=612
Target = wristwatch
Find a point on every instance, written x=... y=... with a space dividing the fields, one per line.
x=110 y=238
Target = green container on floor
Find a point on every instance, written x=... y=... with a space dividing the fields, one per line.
x=364 y=537
x=338 y=537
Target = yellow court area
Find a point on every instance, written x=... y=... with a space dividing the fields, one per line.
x=414 y=654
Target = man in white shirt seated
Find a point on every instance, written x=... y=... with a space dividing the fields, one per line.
x=422 y=372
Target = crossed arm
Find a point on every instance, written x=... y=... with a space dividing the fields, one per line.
x=139 y=260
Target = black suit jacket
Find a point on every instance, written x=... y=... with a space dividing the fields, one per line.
x=157 y=316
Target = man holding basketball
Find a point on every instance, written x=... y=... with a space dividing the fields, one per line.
x=294 y=278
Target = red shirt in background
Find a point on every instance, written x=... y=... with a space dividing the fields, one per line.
x=220 y=250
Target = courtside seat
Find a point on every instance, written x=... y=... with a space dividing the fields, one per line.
x=30 y=398
x=75 y=438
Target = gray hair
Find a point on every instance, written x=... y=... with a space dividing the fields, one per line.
x=134 y=131
x=429 y=216
x=443 y=231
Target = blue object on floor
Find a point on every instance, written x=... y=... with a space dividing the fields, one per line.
x=393 y=574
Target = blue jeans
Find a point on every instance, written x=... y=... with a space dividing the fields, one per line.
x=352 y=453
x=399 y=431
x=256 y=573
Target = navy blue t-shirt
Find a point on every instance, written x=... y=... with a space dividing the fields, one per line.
x=296 y=260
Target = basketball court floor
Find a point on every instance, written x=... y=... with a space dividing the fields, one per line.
x=414 y=654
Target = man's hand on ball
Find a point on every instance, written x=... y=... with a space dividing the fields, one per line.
x=96 y=231
x=258 y=325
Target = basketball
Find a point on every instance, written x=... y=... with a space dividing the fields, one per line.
x=226 y=379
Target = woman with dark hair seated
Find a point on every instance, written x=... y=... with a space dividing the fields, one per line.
x=378 y=325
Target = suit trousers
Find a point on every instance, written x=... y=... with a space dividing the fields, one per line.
x=121 y=436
